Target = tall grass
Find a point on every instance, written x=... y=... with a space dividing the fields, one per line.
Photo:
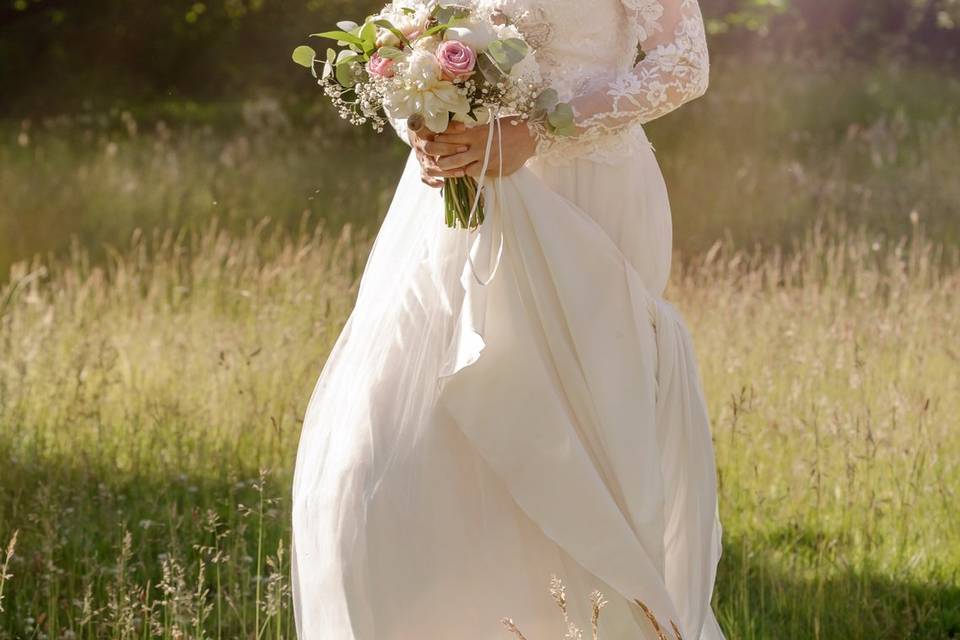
x=773 y=146
x=152 y=382
x=150 y=407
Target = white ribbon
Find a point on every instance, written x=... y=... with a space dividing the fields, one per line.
x=481 y=185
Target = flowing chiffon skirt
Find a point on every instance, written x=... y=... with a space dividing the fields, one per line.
x=465 y=442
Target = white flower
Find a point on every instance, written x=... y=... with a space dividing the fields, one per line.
x=527 y=70
x=480 y=116
x=429 y=43
x=410 y=24
x=476 y=35
x=422 y=68
x=423 y=91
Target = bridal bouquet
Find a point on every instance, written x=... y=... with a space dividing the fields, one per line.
x=430 y=63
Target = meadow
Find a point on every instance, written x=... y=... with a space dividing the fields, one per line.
x=157 y=354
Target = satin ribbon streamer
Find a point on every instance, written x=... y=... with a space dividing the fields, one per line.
x=494 y=122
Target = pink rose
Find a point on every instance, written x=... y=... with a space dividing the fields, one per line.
x=457 y=60
x=380 y=66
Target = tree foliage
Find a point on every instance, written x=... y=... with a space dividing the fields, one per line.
x=57 y=53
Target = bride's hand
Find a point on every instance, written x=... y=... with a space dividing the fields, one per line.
x=429 y=152
x=519 y=145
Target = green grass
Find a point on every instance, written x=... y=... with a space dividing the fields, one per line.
x=152 y=382
x=139 y=401
x=771 y=147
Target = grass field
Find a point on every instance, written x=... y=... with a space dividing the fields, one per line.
x=771 y=147
x=151 y=389
x=140 y=400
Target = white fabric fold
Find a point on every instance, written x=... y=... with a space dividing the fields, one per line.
x=466 y=442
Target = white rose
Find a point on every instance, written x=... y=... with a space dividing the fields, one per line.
x=429 y=44
x=422 y=69
x=409 y=24
x=476 y=35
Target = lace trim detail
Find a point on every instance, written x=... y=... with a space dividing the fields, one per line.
x=674 y=71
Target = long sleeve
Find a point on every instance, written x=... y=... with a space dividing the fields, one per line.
x=675 y=69
x=400 y=126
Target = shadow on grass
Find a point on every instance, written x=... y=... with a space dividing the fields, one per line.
x=773 y=590
x=72 y=514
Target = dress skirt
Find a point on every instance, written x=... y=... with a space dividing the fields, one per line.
x=505 y=406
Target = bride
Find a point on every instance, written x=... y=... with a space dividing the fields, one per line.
x=520 y=402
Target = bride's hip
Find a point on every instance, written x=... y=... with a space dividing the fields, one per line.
x=627 y=199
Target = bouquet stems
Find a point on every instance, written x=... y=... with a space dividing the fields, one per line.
x=459 y=195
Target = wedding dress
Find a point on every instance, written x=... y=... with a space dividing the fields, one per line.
x=467 y=441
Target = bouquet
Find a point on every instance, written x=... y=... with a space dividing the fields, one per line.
x=430 y=63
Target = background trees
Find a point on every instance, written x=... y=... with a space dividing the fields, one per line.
x=55 y=54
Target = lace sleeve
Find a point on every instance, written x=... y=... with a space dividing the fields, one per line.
x=400 y=126
x=674 y=70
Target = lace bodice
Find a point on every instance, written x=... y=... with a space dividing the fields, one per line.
x=588 y=51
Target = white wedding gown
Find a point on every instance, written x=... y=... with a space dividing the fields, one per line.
x=466 y=442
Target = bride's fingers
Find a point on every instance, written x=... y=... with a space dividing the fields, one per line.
x=460 y=160
x=432 y=170
x=430 y=181
x=439 y=149
x=470 y=138
x=430 y=166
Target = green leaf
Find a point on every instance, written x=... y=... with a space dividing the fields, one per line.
x=547 y=101
x=346 y=54
x=391 y=53
x=369 y=36
x=507 y=53
x=561 y=120
x=304 y=56
x=435 y=30
x=449 y=13
x=349 y=72
x=339 y=36
x=386 y=24
x=489 y=69
x=329 y=63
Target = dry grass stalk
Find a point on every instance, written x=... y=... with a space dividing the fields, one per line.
x=512 y=628
x=661 y=634
x=597 y=602
x=4 y=572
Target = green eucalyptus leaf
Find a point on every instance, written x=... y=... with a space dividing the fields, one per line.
x=435 y=30
x=368 y=33
x=489 y=69
x=391 y=53
x=346 y=54
x=304 y=56
x=349 y=73
x=507 y=53
x=561 y=118
x=451 y=12
x=339 y=36
x=547 y=101
x=386 y=24
x=329 y=63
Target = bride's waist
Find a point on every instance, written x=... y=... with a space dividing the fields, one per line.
x=605 y=147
